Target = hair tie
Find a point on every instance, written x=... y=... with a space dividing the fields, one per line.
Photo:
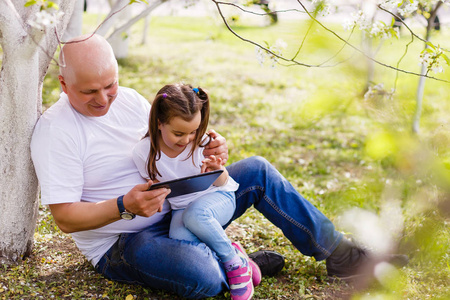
x=164 y=95
x=195 y=90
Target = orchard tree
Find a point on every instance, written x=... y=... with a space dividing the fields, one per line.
x=29 y=36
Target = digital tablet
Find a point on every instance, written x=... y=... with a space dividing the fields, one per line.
x=189 y=184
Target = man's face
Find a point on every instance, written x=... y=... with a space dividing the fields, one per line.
x=92 y=94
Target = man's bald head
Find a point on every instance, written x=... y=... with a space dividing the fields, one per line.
x=86 y=54
x=89 y=74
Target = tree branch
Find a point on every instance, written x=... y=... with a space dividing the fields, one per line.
x=406 y=25
x=362 y=52
x=295 y=62
x=252 y=42
x=144 y=13
x=256 y=13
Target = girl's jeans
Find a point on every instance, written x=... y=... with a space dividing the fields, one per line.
x=203 y=220
x=191 y=269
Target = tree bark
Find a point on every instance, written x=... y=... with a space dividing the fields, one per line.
x=27 y=53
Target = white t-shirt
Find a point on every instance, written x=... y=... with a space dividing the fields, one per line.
x=173 y=168
x=80 y=158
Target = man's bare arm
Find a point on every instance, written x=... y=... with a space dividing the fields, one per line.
x=79 y=216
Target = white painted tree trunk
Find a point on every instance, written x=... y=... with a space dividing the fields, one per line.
x=120 y=23
x=423 y=71
x=145 y=30
x=74 y=28
x=419 y=100
x=24 y=65
x=119 y=41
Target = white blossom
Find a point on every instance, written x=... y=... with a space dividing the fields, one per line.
x=381 y=30
x=376 y=29
x=45 y=19
x=357 y=19
x=408 y=8
x=432 y=60
x=260 y=57
x=390 y=4
x=325 y=6
x=277 y=49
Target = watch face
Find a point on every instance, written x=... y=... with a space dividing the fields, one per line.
x=127 y=216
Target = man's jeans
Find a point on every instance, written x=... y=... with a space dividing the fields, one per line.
x=191 y=269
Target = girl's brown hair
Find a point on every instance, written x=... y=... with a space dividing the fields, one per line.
x=175 y=100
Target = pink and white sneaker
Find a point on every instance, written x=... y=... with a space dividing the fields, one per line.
x=240 y=278
x=256 y=272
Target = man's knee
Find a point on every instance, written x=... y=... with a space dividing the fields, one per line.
x=254 y=164
x=206 y=277
x=257 y=161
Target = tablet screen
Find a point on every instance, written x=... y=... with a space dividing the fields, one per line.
x=190 y=184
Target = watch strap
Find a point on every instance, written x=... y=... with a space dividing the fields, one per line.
x=120 y=204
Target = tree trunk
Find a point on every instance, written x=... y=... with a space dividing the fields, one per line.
x=419 y=100
x=145 y=30
x=119 y=41
x=74 y=28
x=421 y=84
x=122 y=21
x=24 y=66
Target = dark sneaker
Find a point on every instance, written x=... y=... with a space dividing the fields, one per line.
x=269 y=262
x=350 y=261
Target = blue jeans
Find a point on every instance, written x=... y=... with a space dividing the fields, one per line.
x=203 y=220
x=191 y=269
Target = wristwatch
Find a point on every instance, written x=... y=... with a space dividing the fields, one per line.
x=124 y=214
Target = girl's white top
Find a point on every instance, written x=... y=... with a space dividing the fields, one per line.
x=177 y=167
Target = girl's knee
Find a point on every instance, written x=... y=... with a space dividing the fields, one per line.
x=192 y=216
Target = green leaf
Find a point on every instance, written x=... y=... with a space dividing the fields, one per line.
x=137 y=1
x=393 y=32
x=431 y=45
x=30 y=3
x=446 y=58
x=52 y=5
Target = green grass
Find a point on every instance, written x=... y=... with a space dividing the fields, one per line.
x=313 y=125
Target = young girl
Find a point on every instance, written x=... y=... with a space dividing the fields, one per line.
x=173 y=148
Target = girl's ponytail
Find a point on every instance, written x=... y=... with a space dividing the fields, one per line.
x=201 y=93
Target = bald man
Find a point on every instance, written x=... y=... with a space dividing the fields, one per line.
x=82 y=152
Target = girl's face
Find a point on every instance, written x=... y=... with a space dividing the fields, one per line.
x=177 y=134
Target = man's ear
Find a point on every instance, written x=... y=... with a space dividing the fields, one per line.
x=63 y=83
